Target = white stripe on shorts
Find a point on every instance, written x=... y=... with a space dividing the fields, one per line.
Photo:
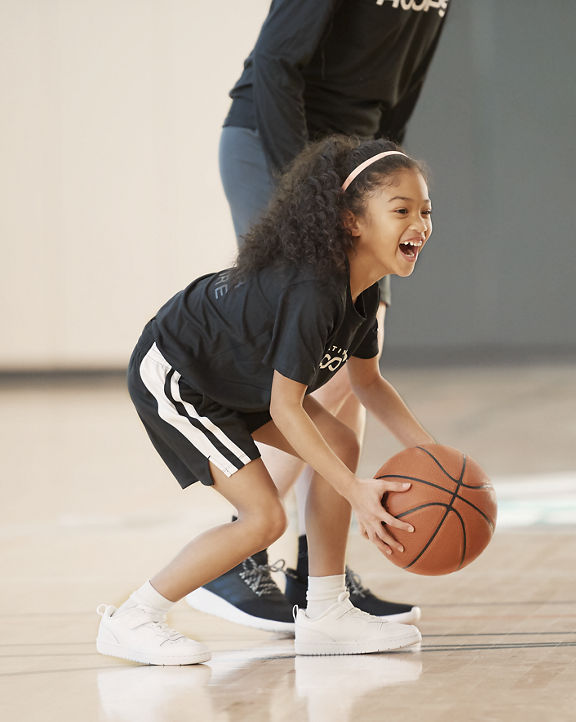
x=153 y=371
x=205 y=421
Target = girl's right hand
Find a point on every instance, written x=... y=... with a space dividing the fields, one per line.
x=373 y=519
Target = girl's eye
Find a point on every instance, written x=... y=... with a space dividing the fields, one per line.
x=405 y=211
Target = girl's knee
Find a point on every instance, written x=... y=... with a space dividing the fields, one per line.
x=267 y=524
x=276 y=523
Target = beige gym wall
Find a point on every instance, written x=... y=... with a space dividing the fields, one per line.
x=109 y=188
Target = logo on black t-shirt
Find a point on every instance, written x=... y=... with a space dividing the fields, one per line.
x=221 y=286
x=418 y=5
x=334 y=358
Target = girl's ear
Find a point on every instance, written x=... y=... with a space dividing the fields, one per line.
x=350 y=223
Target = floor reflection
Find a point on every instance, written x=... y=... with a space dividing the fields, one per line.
x=252 y=684
x=334 y=686
x=154 y=694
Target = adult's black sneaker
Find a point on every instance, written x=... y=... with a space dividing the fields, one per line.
x=248 y=595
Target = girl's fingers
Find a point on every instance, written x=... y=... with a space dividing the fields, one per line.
x=387 y=518
x=392 y=521
x=382 y=547
x=383 y=540
x=395 y=485
x=375 y=527
x=389 y=540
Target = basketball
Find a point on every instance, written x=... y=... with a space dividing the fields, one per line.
x=451 y=505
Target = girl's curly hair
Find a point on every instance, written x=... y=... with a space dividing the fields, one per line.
x=303 y=223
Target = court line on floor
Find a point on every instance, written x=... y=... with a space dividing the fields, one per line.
x=426 y=605
x=275 y=641
x=497 y=604
x=446 y=648
x=47 y=654
x=495 y=645
x=497 y=634
x=501 y=645
x=494 y=617
x=59 y=671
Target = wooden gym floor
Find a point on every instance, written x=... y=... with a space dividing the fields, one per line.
x=88 y=513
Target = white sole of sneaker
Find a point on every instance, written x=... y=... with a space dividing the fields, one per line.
x=333 y=648
x=115 y=650
x=406 y=617
x=204 y=600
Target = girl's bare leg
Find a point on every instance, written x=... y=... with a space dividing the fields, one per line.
x=261 y=520
x=327 y=513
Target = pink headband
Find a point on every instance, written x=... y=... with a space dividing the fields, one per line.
x=366 y=163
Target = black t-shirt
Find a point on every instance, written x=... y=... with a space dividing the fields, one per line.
x=227 y=339
x=335 y=66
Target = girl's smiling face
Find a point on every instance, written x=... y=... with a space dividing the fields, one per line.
x=394 y=226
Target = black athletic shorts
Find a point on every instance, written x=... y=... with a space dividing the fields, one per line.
x=187 y=428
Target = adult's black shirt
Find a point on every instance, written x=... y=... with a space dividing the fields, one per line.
x=226 y=339
x=335 y=66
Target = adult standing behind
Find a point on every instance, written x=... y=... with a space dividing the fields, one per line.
x=318 y=67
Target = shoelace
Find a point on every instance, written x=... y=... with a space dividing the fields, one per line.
x=354 y=584
x=157 y=621
x=257 y=576
x=167 y=633
x=355 y=612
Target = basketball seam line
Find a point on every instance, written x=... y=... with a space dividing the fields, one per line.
x=431 y=538
x=449 y=508
x=431 y=455
x=441 y=488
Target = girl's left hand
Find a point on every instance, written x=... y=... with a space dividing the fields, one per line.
x=373 y=518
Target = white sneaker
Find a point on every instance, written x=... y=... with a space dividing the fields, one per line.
x=142 y=635
x=344 y=629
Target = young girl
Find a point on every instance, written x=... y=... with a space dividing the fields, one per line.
x=231 y=361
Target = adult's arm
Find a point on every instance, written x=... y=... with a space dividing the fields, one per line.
x=288 y=39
